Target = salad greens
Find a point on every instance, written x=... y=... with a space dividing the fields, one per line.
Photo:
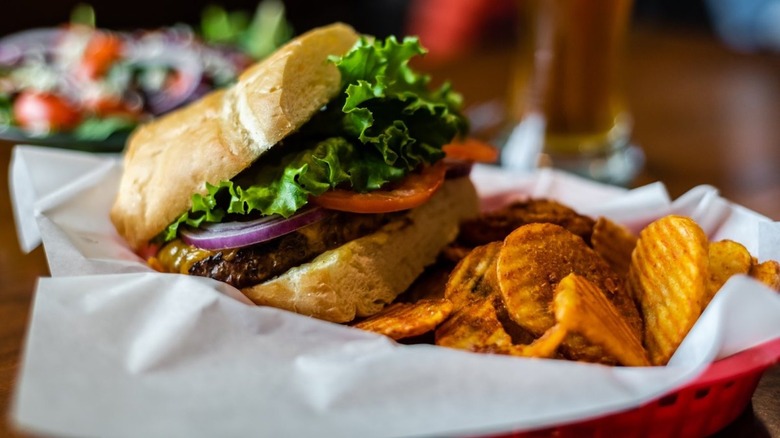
x=83 y=14
x=386 y=122
x=100 y=128
x=258 y=37
x=6 y=106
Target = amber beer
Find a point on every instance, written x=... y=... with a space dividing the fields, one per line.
x=569 y=74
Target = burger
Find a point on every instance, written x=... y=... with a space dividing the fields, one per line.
x=317 y=183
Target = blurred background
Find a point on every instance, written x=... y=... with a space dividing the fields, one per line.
x=745 y=24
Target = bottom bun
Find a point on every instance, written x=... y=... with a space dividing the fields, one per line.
x=361 y=277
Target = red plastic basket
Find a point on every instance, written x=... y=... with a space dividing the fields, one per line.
x=701 y=408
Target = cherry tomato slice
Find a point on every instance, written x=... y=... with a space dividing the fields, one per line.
x=45 y=112
x=103 y=49
x=412 y=191
x=112 y=106
x=471 y=149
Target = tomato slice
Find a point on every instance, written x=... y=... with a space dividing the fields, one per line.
x=412 y=191
x=471 y=149
x=107 y=106
x=45 y=112
x=102 y=51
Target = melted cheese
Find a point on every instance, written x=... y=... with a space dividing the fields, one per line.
x=178 y=257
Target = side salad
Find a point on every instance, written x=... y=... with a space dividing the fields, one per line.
x=92 y=83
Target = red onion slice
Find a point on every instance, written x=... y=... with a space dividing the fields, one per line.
x=182 y=56
x=26 y=43
x=215 y=236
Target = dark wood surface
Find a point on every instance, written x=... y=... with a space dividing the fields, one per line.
x=703 y=115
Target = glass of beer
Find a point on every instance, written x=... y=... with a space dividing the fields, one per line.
x=567 y=104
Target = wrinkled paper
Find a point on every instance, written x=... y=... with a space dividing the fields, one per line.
x=115 y=349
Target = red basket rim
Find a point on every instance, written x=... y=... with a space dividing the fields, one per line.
x=755 y=358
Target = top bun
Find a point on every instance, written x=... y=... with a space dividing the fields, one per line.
x=215 y=138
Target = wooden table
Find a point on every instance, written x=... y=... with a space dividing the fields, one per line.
x=703 y=114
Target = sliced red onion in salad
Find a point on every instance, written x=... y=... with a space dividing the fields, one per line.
x=226 y=235
x=14 y=47
x=180 y=56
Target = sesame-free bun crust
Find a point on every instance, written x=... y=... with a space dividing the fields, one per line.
x=359 y=278
x=215 y=138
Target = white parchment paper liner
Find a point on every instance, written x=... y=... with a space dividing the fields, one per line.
x=114 y=349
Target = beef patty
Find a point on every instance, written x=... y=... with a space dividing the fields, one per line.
x=250 y=265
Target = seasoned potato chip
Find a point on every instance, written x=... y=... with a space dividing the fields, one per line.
x=496 y=225
x=768 y=273
x=668 y=278
x=404 y=320
x=545 y=346
x=726 y=258
x=582 y=308
x=476 y=327
x=474 y=277
x=533 y=259
x=614 y=243
x=520 y=336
